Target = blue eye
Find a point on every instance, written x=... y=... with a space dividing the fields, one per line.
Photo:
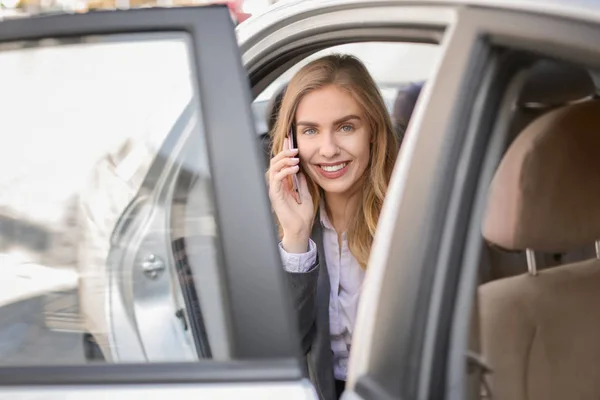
x=347 y=128
x=309 y=131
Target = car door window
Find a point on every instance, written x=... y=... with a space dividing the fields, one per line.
x=117 y=215
x=86 y=120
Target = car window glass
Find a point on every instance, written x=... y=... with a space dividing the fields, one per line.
x=100 y=147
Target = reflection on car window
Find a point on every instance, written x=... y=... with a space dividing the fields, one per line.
x=94 y=171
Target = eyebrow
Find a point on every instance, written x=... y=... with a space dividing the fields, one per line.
x=336 y=122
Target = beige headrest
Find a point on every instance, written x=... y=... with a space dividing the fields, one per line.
x=545 y=195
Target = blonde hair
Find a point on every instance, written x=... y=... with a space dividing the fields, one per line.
x=348 y=73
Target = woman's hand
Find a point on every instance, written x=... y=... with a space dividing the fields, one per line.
x=294 y=211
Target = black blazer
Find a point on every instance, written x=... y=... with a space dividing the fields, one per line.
x=310 y=297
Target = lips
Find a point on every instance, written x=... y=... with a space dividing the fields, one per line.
x=333 y=170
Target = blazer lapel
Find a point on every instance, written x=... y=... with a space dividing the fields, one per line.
x=322 y=356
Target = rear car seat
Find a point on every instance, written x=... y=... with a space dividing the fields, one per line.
x=540 y=331
x=404 y=105
x=549 y=84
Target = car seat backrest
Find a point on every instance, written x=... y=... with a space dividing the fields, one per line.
x=549 y=84
x=540 y=331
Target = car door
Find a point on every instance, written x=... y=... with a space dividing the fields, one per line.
x=419 y=306
x=130 y=169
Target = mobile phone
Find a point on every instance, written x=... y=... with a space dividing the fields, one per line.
x=292 y=144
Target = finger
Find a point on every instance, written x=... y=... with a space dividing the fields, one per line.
x=303 y=191
x=279 y=181
x=283 y=154
x=284 y=173
x=274 y=184
x=285 y=162
x=292 y=188
x=297 y=197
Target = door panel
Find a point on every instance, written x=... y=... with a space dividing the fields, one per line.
x=141 y=121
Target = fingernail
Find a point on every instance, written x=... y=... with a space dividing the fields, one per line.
x=295 y=159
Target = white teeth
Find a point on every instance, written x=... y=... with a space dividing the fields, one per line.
x=333 y=168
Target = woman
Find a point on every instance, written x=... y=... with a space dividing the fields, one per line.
x=345 y=156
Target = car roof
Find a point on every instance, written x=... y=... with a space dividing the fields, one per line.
x=583 y=10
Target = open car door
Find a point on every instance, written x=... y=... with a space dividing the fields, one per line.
x=135 y=127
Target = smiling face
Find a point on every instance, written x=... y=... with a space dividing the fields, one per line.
x=333 y=138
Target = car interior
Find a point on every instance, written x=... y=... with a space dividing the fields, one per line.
x=537 y=276
x=540 y=270
x=537 y=329
x=540 y=263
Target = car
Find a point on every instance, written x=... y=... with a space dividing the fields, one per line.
x=465 y=294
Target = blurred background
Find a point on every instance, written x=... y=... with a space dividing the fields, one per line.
x=241 y=9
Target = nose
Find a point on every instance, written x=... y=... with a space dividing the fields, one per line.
x=329 y=147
